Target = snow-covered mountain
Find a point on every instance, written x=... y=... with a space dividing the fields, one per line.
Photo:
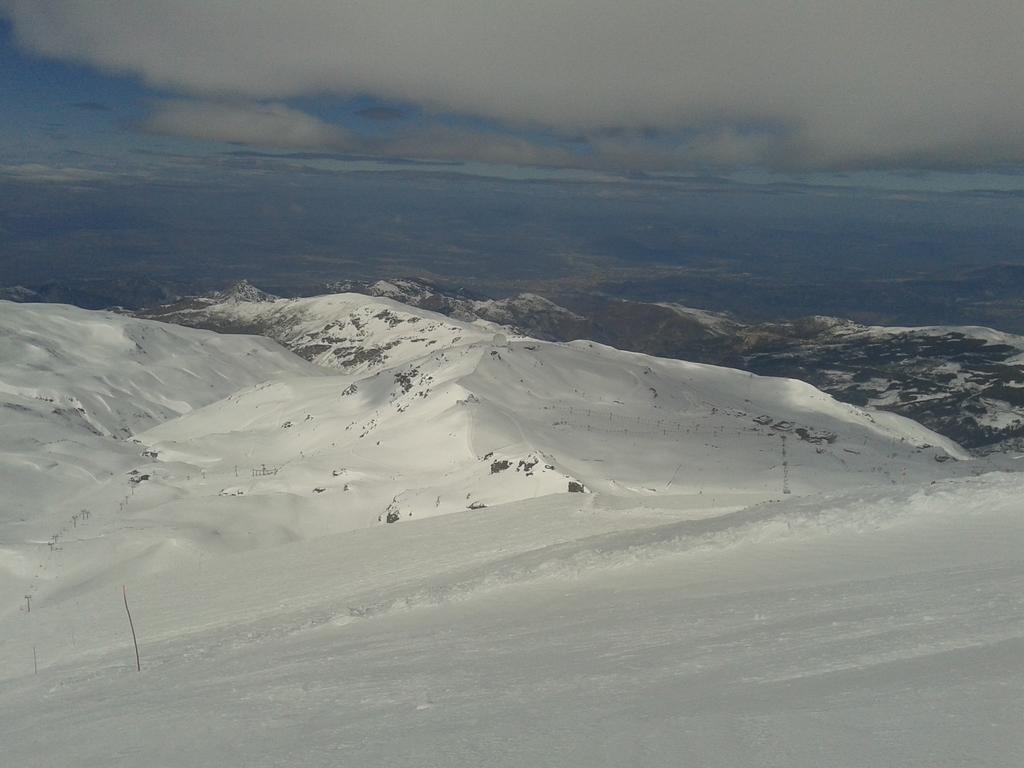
x=409 y=415
x=346 y=331
x=964 y=382
x=115 y=375
x=75 y=384
x=305 y=325
x=630 y=549
x=479 y=423
x=525 y=313
x=435 y=415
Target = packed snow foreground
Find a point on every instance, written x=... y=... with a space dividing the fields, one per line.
x=374 y=558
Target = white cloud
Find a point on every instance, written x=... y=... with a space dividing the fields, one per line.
x=275 y=126
x=843 y=83
x=265 y=125
x=37 y=172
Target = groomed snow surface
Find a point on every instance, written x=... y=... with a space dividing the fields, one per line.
x=682 y=611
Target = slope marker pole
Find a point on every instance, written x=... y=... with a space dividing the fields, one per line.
x=138 y=663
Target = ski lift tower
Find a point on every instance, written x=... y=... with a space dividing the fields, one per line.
x=785 y=468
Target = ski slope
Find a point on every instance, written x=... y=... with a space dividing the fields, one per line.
x=76 y=384
x=115 y=375
x=487 y=423
x=472 y=422
x=75 y=387
x=682 y=607
x=854 y=630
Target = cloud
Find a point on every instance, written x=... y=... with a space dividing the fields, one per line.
x=874 y=83
x=49 y=174
x=454 y=144
x=276 y=126
x=264 y=125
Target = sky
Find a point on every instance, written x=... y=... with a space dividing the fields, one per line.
x=885 y=92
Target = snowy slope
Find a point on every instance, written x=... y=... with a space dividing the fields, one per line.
x=714 y=323
x=681 y=599
x=482 y=424
x=75 y=385
x=526 y=313
x=879 y=628
x=345 y=331
x=469 y=428
x=450 y=418
x=963 y=382
x=966 y=382
x=115 y=375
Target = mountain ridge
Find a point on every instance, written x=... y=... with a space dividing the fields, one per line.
x=961 y=381
x=437 y=535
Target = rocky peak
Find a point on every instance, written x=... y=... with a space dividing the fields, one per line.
x=244 y=292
